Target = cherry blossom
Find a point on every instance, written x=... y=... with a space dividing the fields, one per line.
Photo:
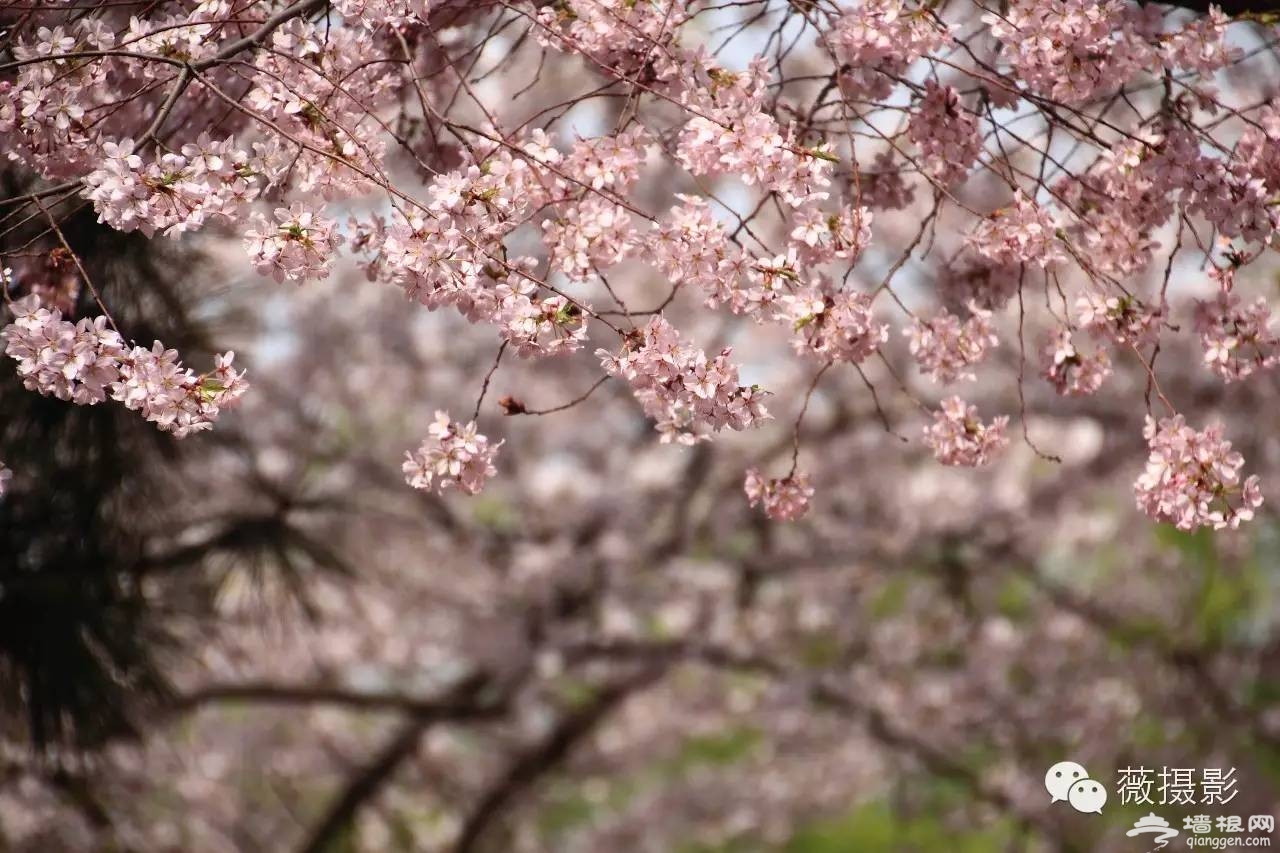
x=1069 y=371
x=958 y=437
x=1124 y=319
x=689 y=395
x=837 y=326
x=946 y=133
x=1022 y=234
x=1192 y=479
x=86 y=363
x=785 y=499
x=946 y=348
x=1237 y=338
x=452 y=455
x=299 y=245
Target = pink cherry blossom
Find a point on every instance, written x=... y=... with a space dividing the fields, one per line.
x=946 y=133
x=298 y=246
x=1069 y=371
x=1192 y=479
x=452 y=455
x=1237 y=338
x=958 y=437
x=690 y=396
x=946 y=349
x=785 y=499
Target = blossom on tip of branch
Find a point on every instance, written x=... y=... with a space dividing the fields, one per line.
x=947 y=349
x=1192 y=479
x=452 y=455
x=690 y=395
x=1070 y=372
x=298 y=246
x=958 y=437
x=154 y=382
x=785 y=499
x=86 y=362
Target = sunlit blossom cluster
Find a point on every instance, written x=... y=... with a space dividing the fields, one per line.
x=689 y=395
x=783 y=499
x=958 y=436
x=309 y=135
x=947 y=348
x=1192 y=479
x=87 y=362
x=454 y=455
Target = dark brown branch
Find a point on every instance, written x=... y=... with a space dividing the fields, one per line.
x=463 y=702
x=449 y=707
x=258 y=36
x=546 y=756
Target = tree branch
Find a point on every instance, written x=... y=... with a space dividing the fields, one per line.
x=545 y=756
x=463 y=702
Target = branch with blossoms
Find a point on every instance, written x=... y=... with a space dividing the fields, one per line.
x=751 y=185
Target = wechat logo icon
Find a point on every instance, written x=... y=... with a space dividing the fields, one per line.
x=1069 y=781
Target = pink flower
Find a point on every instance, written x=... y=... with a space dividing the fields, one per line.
x=946 y=134
x=958 y=437
x=834 y=326
x=1124 y=318
x=946 y=349
x=786 y=499
x=1070 y=372
x=690 y=396
x=299 y=246
x=453 y=454
x=86 y=362
x=1192 y=479
x=1237 y=339
x=172 y=397
x=1022 y=234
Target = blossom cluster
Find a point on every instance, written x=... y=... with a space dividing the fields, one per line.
x=176 y=193
x=946 y=349
x=298 y=246
x=1072 y=373
x=689 y=395
x=878 y=39
x=835 y=325
x=785 y=499
x=452 y=455
x=86 y=363
x=1192 y=479
x=1022 y=234
x=946 y=134
x=1237 y=338
x=1124 y=319
x=958 y=437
